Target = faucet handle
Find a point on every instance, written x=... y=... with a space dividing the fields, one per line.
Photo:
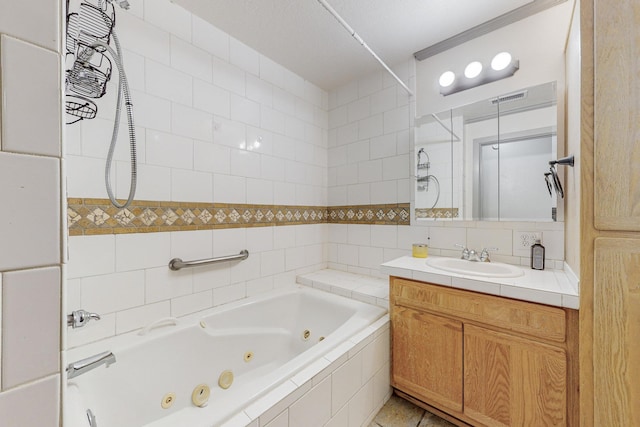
x=79 y=318
x=484 y=255
x=465 y=251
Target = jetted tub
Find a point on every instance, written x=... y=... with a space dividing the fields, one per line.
x=254 y=344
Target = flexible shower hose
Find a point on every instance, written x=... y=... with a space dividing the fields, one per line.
x=123 y=90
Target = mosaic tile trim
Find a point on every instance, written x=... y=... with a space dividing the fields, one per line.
x=99 y=216
x=393 y=214
x=437 y=213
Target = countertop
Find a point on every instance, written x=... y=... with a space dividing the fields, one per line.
x=551 y=287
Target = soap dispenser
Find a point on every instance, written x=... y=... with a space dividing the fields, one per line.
x=537 y=256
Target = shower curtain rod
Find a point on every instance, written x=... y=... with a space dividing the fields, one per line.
x=355 y=35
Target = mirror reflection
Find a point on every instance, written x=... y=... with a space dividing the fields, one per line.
x=487 y=161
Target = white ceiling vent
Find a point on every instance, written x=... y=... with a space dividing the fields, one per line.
x=510 y=97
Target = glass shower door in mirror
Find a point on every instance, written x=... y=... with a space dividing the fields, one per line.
x=437 y=150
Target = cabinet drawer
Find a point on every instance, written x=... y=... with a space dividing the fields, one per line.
x=536 y=320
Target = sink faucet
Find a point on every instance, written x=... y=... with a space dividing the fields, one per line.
x=85 y=365
x=472 y=254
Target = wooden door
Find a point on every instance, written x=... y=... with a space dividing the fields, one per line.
x=510 y=381
x=427 y=357
x=616 y=334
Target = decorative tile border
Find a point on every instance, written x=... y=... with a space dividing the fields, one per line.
x=437 y=213
x=392 y=214
x=99 y=216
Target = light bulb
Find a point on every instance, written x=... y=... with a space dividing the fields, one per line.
x=501 y=61
x=447 y=78
x=473 y=69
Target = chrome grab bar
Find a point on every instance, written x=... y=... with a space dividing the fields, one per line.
x=85 y=365
x=176 y=263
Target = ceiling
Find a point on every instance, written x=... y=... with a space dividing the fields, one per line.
x=303 y=36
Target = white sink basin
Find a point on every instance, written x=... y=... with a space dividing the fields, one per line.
x=472 y=268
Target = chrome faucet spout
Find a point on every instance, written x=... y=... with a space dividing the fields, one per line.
x=85 y=365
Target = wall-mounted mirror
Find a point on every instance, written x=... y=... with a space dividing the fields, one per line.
x=486 y=161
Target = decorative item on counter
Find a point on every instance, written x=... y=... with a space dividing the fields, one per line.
x=420 y=250
x=537 y=256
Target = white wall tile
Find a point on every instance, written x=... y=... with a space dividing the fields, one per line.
x=284 y=193
x=139 y=317
x=151 y=111
x=446 y=237
x=244 y=110
x=259 y=90
x=31 y=94
x=258 y=286
x=244 y=57
x=259 y=239
x=154 y=182
x=271 y=71
x=214 y=276
x=82 y=259
x=207 y=37
x=358 y=152
x=170 y=17
x=191 y=303
x=314 y=408
x=30 y=344
x=192 y=244
x=478 y=239
x=382 y=101
x=113 y=292
x=345 y=382
x=370 y=171
x=259 y=191
x=191 y=186
x=32 y=184
x=106 y=327
x=396 y=120
x=165 y=149
x=16 y=406
x=166 y=82
x=191 y=123
x=190 y=59
x=272 y=120
x=359 y=194
x=229 y=77
x=383 y=146
x=361 y=405
x=144 y=38
x=231 y=134
x=271 y=168
x=85 y=176
x=384 y=236
x=229 y=189
x=272 y=262
x=347 y=134
x=228 y=241
x=42 y=28
x=210 y=157
x=211 y=98
x=395 y=167
x=370 y=127
x=245 y=163
x=348 y=254
x=161 y=284
x=228 y=294
x=385 y=192
x=136 y=251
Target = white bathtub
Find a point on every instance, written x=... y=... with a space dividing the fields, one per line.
x=280 y=333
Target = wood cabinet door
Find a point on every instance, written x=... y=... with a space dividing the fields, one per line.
x=616 y=112
x=616 y=332
x=427 y=357
x=510 y=381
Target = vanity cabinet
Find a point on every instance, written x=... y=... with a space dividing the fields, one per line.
x=481 y=359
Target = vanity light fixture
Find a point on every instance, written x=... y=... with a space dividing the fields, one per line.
x=447 y=78
x=473 y=70
x=475 y=74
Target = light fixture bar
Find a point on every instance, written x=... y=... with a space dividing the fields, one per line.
x=355 y=35
x=487 y=76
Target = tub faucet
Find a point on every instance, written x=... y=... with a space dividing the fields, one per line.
x=85 y=365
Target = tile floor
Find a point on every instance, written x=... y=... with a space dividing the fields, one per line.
x=398 y=412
